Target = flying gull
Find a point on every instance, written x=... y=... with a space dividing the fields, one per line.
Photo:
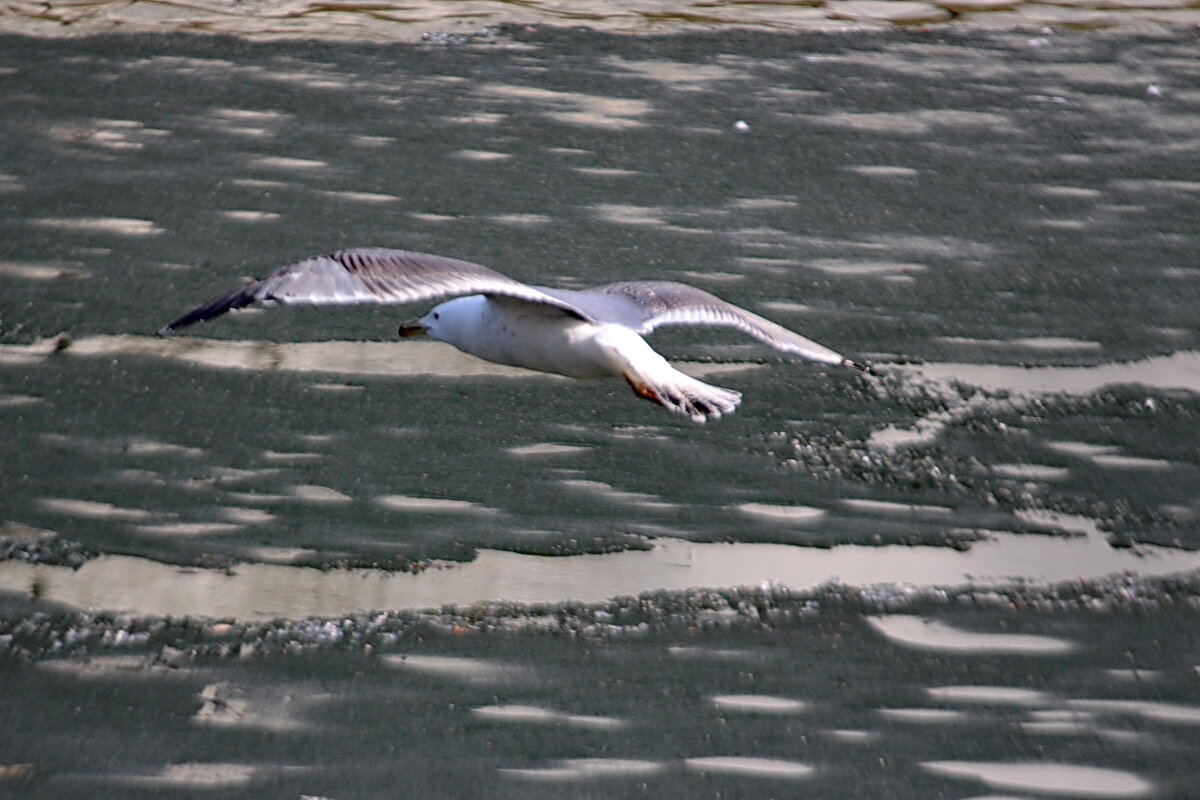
x=591 y=333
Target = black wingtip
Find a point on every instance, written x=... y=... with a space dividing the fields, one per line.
x=239 y=298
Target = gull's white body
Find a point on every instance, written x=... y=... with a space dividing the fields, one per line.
x=542 y=338
x=522 y=335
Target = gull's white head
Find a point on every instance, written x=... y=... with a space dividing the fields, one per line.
x=454 y=321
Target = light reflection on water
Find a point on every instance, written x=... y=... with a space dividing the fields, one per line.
x=1071 y=780
x=1177 y=371
x=394 y=359
x=267 y=591
x=923 y=634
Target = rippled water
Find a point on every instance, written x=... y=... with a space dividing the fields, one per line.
x=1004 y=225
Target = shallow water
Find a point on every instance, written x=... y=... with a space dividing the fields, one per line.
x=1003 y=224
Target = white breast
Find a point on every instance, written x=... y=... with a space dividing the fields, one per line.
x=522 y=334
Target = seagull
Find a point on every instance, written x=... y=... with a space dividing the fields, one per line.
x=591 y=333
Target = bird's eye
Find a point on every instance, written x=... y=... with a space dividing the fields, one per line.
x=436 y=315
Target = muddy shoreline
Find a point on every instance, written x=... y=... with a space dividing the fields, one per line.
x=488 y=22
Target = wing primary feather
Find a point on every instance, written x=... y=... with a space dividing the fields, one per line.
x=230 y=301
x=372 y=275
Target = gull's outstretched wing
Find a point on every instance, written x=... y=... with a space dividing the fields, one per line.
x=371 y=275
x=660 y=303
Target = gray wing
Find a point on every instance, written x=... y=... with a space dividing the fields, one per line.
x=658 y=303
x=371 y=275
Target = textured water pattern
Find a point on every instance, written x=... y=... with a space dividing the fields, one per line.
x=1037 y=214
x=1004 y=224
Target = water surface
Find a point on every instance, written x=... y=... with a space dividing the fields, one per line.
x=971 y=574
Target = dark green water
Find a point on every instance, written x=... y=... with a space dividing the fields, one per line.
x=1005 y=225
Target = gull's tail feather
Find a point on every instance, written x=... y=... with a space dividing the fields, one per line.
x=651 y=376
x=685 y=395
